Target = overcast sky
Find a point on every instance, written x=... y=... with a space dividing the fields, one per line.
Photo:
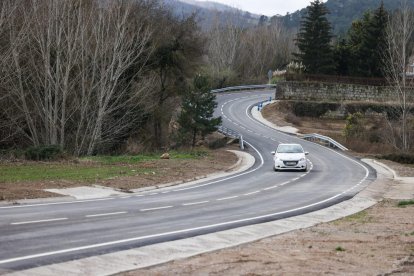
x=267 y=7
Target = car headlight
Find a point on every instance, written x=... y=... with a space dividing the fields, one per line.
x=302 y=159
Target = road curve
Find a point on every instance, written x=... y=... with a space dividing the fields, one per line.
x=45 y=233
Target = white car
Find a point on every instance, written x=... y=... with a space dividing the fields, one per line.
x=290 y=157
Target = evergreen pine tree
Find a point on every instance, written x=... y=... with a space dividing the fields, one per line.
x=367 y=40
x=197 y=110
x=314 y=41
x=375 y=41
x=356 y=37
x=342 y=57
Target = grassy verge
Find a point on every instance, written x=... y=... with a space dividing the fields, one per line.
x=405 y=203
x=88 y=169
x=360 y=217
x=74 y=172
x=135 y=159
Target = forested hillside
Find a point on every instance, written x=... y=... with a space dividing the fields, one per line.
x=343 y=12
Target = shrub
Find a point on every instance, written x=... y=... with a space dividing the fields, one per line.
x=402 y=158
x=354 y=125
x=313 y=109
x=217 y=143
x=50 y=152
x=11 y=154
x=276 y=79
x=339 y=249
x=293 y=119
x=317 y=109
x=406 y=203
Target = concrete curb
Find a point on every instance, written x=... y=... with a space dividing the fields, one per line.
x=245 y=161
x=394 y=174
x=259 y=117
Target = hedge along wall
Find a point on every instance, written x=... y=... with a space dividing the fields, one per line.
x=317 y=91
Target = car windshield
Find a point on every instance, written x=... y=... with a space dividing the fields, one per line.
x=289 y=149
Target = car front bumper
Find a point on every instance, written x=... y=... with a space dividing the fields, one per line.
x=290 y=165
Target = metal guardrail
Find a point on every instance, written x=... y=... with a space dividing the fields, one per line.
x=235 y=135
x=244 y=87
x=331 y=142
x=232 y=134
x=227 y=131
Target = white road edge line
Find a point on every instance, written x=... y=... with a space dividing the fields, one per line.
x=252 y=193
x=106 y=214
x=37 y=221
x=55 y=203
x=230 y=177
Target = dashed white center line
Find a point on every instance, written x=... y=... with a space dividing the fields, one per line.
x=226 y=198
x=125 y=197
x=156 y=208
x=252 y=193
x=105 y=214
x=195 y=203
x=38 y=221
x=153 y=194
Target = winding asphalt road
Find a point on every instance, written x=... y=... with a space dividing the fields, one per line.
x=44 y=233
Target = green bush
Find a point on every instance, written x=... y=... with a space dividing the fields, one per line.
x=50 y=152
x=218 y=143
x=317 y=109
x=354 y=125
x=313 y=109
x=276 y=79
x=406 y=203
x=362 y=107
x=7 y=154
x=402 y=158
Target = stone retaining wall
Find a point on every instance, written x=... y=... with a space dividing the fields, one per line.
x=315 y=91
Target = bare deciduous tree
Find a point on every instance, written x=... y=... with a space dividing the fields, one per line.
x=250 y=52
x=399 y=35
x=223 y=45
x=73 y=72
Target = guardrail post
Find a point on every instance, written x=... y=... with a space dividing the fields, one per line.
x=241 y=142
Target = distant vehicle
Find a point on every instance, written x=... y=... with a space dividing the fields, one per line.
x=290 y=157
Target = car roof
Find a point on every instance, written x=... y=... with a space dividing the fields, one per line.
x=290 y=144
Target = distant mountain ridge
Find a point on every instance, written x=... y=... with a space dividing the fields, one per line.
x=207 y=11
x=342 y=12
x=210 y=5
